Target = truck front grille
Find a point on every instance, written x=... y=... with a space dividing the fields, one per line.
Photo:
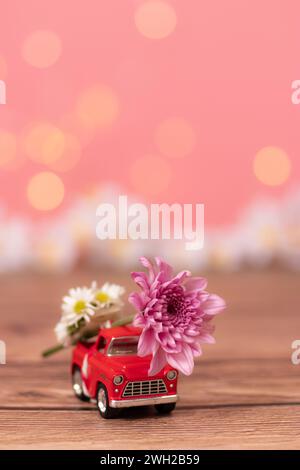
x=148 y=387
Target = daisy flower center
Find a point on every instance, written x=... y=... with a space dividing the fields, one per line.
x=79 y=306
x=102 y=297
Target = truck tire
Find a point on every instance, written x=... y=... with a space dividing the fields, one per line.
x=103 y=403
x=77 y=385
x=165 y=408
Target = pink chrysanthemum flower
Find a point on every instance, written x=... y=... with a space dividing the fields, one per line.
x=175 y=315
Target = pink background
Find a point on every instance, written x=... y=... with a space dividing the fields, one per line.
x=226 y=69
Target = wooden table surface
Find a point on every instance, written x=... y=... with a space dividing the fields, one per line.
x=244 y=392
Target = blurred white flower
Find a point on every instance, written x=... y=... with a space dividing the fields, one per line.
x=54 y=248
x=290 y=212
x=15 y=244
x=261 y=233
x=224 y=249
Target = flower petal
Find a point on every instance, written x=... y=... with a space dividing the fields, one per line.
x=136 y=300
x=207 y=338
x=141 y=280
x=195 y=283
x=180 y=277
x=196 y=349
x=147 y=342
x=213 y=305
x=158 y=362
x=165 y=269
x=139 y=320
x=182 y=361
x=147 y=264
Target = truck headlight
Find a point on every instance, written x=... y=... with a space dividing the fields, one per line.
x=118 y=379
x=172 y=374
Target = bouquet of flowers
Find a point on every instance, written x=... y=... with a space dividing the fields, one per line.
x=174 y=312
x=84 y=311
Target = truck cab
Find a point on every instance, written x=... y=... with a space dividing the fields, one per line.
x=109 y=372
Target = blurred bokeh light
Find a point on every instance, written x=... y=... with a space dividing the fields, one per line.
x=97 y=107
x=272 y=166
x=44 y=143
x=41 y=48
x=45 y=191
x=155 y=19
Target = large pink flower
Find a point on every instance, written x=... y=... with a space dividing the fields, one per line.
x=174 y=313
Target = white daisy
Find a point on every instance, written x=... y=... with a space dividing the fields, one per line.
x=78 y=305
x=108 y=294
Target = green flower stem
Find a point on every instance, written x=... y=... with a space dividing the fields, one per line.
x=53 y=350
x=123 y=321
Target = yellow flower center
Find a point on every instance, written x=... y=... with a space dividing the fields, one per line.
x=102 y=297
x=79 y=306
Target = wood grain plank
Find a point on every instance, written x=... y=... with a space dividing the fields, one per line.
x=276 y=427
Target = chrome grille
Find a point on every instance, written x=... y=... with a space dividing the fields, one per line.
x=148 y=387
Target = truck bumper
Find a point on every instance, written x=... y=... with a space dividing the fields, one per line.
x=143 y=401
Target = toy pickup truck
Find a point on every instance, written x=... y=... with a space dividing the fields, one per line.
x=109 y=372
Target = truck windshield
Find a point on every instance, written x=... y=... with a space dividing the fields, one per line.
x=123 y=346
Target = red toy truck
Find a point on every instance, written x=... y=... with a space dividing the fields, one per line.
x=110 y=372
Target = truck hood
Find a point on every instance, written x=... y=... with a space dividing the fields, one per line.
x=133 y=367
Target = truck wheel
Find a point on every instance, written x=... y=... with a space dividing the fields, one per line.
x=77 y=384
x=103 y=404
x=165 y=408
